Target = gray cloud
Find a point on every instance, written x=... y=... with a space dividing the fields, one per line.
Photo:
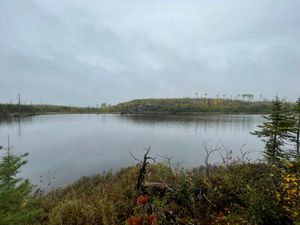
x=88 y=52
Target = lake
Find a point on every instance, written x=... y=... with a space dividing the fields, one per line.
x=63 y=148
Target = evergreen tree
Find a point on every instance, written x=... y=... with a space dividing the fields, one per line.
x=16 y=205
x=275 y=131
x=296 y=129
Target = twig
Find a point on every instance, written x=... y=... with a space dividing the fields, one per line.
x=208 y=200
x=136 y=159
x=209 y=151
x=167 y=186
x=168 y=159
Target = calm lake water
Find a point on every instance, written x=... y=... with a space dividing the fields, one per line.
x=63 y=148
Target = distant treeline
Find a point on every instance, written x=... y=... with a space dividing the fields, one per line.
x=189 y=105
x=22 y=109
x=148 y=106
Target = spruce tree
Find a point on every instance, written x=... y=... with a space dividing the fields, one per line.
x=275 y=131
x=16 y=205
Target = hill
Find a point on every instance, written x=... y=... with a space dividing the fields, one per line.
x=189 y=105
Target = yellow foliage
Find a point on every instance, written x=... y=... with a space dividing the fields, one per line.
x=289 y=196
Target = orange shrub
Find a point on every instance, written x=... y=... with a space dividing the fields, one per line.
x=142 y=199
x=152 y=219
x=135 y=220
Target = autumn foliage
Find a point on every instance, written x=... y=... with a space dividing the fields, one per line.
x=135 y=220
x=141 y=220
x=142 y=199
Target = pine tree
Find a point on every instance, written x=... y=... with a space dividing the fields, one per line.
x=275 y=131
x=16 y=205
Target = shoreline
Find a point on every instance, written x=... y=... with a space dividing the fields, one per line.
x=154 y=114
x=19 y=115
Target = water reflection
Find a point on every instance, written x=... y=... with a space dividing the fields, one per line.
x=69 y=146
x=152 y=119
x=218 y=122
x=14 y=122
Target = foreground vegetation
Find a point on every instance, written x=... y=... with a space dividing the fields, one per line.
x=21 y=109
x=189 y=105
x=232 y=194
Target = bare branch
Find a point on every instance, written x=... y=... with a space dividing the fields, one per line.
x=147 y=157
x=209 y=150
x=244 y=154
x=170 y=189
x=209 y=200
x=168 y=160
x=135 y=158
x=227 y=158
x=142 y=171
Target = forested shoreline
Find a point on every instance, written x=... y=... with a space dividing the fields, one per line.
x=189 y=106
x=14 y=110
x=155 y=106
x=179 y=106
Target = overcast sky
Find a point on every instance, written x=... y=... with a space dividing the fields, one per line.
x=89 y=52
